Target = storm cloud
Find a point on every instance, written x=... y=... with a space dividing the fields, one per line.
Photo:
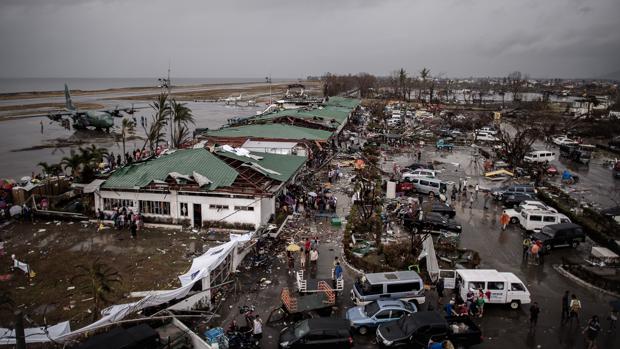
x=289 y=38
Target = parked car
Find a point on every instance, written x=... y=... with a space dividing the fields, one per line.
x=371 y=315
x=532 y=220
x=431 y=186
x=563 y=140
x=539 y=156
x=417 y=329
x=515 y=213
x=406 y=285
x=434 y=221
x=317 y=333
x=517 y=188
x=443 y=209
x=421 y=172
x=485 y=137
x=557 y=235
x=416 y=166
x=577 y=152
x=515 y=199
x=487 y=129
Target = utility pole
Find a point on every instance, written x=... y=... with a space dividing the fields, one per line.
x=20 y=336
x=165 y=83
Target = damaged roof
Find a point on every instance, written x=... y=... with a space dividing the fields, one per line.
x=184 y=162
x=323 y=114
x=274 y=166
x=272 y=131
x=342 y=102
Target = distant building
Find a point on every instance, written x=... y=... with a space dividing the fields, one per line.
x=198 y=187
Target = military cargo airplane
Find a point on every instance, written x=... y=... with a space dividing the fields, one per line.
x=99 y=119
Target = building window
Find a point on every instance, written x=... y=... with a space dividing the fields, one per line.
x=244 y=208
x=155 y=207
x=183 y=210
x=218 y=207
x=112 y=204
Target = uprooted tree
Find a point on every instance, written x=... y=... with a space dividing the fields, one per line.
x=517 y=140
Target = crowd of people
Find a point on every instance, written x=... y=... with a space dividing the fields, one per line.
x=123 y=219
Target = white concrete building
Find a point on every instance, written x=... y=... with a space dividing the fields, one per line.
x=197 y=187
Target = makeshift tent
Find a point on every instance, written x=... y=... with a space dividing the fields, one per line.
x=36 y=334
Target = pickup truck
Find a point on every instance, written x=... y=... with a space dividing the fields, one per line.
x=417 y=329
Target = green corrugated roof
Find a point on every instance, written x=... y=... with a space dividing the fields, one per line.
x=182 y=161
x=285 y=165
x=342 y=102
x=271 y=131
x=326 y=114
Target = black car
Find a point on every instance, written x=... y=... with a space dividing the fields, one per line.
x=442 y=208
x=563 y=234
x=417 y=329
x=416 y=166
x=499 y=193
x=515 y=199
x=433 y=221
x=317 y=333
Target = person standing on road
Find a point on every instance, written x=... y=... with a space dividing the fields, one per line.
x=480 y=302
x=591 y=331
x=534 y=311
x=307 y=246
x=338 y=271
x=440 y=287
x=613 y=318
x=257 y=329
x=302 y=259
x=476 y=189
x=504 y=219
x=471 y=201
x=314 y=257
x=526 y=248
x=486 y=200
x=574 y=309
x=565 y=306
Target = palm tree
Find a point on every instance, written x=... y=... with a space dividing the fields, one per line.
x=74 y=162
x=424 y=74
x=50 y=170
x=155 y=133
x=97 y=279
x=128 y=128
x=182 y=117
x=91 y=158
x=402 y=82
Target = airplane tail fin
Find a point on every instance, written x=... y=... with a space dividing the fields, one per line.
x=68 y=103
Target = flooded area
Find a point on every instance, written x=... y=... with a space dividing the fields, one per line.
x=24 y=142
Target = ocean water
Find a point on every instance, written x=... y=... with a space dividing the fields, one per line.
x=9 y=85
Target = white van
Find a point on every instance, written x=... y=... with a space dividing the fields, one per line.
x=431 y=186
x=405 y=285
x=539 y=156
x=504 y=288
x=535 y=219
x=421 y=172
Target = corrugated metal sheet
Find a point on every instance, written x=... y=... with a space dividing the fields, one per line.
x=285 y=165
x=273 y=131
x=182 y=161
x=343 y=102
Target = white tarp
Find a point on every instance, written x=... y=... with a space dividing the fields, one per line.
x=240 y=152
x=20 y=265
x=36 y=334
x=201 y=266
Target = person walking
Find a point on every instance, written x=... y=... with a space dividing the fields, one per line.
x=534 y=311
x=133 y=228
x=440 y=288
x=526 y=248
x=337 y=272
x=504 y=219
x=612 y=318
x=565 y=306
x=591 y=331
x=302 y=259
x=480 y=302
x=476 y=189
x=257 y=329
x=487 y=196
x=307 y=245
x=534 y=250
x=291 y=262
x=471 y=201
x=574 y=309
x=314 y=257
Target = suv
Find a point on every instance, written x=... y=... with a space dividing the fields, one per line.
x=371 y=315
x=517 y=188
x=515 y=213
x=434 y=221
x=318 y=333
x=515 y=199
x=404 y=285
x=563 y=234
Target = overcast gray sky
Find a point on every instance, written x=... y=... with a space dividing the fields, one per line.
x=290 y=38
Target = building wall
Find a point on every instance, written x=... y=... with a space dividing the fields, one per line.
x=208 y=211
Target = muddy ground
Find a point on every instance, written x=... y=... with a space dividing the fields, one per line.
x=54 y=249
